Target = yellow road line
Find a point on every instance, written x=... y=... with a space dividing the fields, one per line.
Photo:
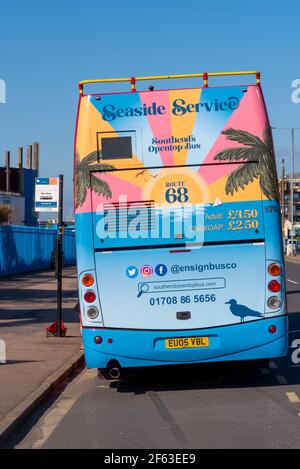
x=292 y=397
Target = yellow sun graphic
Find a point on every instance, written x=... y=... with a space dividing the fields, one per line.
x=176 y=185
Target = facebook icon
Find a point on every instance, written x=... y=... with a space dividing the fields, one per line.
x=161 y=270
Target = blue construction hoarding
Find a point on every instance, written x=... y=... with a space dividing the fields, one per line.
x=24 y=249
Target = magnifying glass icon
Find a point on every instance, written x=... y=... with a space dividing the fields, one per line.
x=143 y=288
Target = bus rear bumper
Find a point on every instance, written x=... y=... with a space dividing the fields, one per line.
x=141 y=348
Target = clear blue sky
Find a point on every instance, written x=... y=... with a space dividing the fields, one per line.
x=46 y=47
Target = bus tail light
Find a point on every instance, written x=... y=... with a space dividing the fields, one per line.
x=92 y=313
x=274 y=302
x=98 y=340
x=88 y=280
x=274 y=286
x=89 y=297
x=272 y=329
x=274 y=270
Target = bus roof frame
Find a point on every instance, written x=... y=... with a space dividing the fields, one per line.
x=204 y=75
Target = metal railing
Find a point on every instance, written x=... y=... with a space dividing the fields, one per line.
x=204 y=76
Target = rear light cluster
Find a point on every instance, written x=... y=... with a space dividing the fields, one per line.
x=274 y=270
x=274 y=302
x=92 y=312
x=88 y=280
x=274 y=286
x=90 y=296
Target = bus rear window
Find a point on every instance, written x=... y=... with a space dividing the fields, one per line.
x=116 y=148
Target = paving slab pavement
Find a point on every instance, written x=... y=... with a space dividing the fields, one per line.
x=27 y=307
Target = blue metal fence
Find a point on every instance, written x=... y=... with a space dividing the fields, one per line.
x=24 y=249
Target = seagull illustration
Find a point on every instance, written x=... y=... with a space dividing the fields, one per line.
x=218 y=202
x=242 y=311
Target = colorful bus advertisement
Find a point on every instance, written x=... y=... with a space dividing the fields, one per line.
x=179 y=244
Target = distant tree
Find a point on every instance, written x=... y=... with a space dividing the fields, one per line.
x=5 y=211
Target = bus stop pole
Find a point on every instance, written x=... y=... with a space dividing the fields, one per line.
x=60 y=254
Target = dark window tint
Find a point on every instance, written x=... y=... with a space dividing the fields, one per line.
x=116 y=148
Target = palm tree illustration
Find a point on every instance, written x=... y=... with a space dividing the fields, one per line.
x=86 y=178
x=260 y=153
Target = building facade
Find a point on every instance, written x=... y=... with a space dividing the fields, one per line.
x=17 y=185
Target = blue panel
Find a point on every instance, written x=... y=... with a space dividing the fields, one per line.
x=172 y=226
x=249 y=341
x=29 y=176
x=25 y=249
x=43 y=181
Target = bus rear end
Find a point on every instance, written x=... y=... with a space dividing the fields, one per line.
x=179 y=246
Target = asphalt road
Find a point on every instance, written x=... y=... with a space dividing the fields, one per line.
x=217 y=408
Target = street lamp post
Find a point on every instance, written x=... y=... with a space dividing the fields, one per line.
x=292 y=131
x=292 y=187
x=282 y=196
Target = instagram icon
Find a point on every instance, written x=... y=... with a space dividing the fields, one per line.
x=146 y=271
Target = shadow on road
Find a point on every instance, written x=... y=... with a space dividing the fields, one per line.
x=294 y=323
x=202 y=377
x=28 y=317
x=213 y=376
x=36 y=295
x=37 y=276
x=293 y=292
x=16 y=362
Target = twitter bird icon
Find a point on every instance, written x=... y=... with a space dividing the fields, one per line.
x=132 y=271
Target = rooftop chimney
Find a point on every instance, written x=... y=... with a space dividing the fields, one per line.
x=7 y=169
x=29 y=157
x=35 y=156
x=20 y=166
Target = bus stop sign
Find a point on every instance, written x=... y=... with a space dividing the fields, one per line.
x=46 y=194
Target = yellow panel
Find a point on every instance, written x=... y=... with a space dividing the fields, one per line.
x=217 y=190
x=90 y=122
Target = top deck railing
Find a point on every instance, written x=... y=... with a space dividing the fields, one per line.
x=204 y=76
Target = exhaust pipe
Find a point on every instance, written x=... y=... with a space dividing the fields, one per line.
x=113 y=372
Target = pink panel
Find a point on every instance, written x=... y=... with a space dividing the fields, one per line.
x=249 y=116
x=86 y=207
x=118 y=186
